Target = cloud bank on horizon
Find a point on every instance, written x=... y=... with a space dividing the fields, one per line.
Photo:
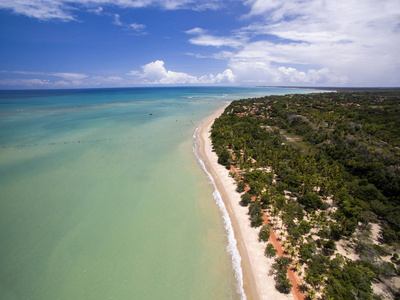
x=104 y=43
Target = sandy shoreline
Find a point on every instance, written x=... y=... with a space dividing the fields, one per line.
x=255 y=266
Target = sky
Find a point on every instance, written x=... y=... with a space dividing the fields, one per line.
x=58 y=44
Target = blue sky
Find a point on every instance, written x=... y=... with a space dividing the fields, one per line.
x=121 y=43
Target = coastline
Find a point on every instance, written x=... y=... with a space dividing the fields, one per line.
x=254 y=265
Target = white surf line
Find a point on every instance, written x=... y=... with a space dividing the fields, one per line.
x=232 y=243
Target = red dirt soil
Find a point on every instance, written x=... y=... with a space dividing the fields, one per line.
x=274 y=241
x=292 y=276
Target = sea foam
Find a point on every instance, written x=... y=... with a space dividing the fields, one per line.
x=232 y=243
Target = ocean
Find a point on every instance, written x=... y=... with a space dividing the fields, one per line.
x=103 y=197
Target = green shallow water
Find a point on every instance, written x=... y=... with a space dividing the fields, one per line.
x=121 y=219
x=105 y=201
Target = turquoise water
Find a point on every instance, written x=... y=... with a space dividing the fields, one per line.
x=103 y=198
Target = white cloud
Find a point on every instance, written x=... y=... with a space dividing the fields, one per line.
x=138 y=28
x=62 y=9
x=62 y=83
x=151 y=73
x=341 y=42
x=227 y=76
x=69 y=80
x=293 y=75
x=224 y=55
x=155 y=73
x=357 y=39
x=133 y=73
x=204 y=39
x=324 y=76
x=215 y=41
x=26 y=83
x=259 y=7
x=96 y=11
x=67 y=76
x=117 y=20
x=39 y=9
x=266 y=62
x=197 y=55
x=196 y=30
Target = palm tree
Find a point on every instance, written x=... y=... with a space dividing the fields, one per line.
x=312 y=294
x=296 y=265
x=288 y=249
x=303 y=288
x=281 y=234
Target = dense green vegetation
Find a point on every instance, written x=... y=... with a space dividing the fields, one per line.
x=270 y=251
x=279 y=270
x=264 y=233
x=327 y=166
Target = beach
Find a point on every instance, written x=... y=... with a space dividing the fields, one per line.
x=102 y=197
x=257 y=283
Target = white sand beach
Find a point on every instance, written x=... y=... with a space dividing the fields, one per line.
x=257 y=283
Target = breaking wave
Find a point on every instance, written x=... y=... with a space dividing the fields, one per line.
x=232 y=243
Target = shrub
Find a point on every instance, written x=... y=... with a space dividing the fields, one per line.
x=240 y=187
x=224 y=157
x=311 y=202
x=270 y=251
x=283 y=283
x=307 y=251
x=264 y=233
x=246 y=199
x=304 y=227
x=256 y=221
x=279 y=268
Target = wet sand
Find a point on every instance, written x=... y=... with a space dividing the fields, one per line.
x=257 y=283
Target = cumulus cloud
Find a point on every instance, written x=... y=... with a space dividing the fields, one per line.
x=324 y=76
x=310 y=42
x=151 y=73
x=227 y=76
x=342 y=42
x=357 y=39
x=156 y=73
x=266 y=61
